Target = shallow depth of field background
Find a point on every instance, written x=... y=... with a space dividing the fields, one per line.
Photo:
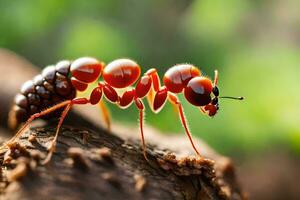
x=254 y=44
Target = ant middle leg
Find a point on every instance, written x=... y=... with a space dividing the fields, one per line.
x=105 y=114
x=135 y=95
x=96 y=98
x=140 y=105
x=156 y=85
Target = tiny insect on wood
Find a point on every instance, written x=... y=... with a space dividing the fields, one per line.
x=55 y=89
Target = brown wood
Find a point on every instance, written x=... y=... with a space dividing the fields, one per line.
x=93 y=164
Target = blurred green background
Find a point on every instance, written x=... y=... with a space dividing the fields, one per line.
x=254 y=44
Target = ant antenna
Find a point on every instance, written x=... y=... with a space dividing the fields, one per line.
x=235 y=98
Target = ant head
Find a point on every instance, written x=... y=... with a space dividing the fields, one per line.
x=201 y=92
x=198 y=91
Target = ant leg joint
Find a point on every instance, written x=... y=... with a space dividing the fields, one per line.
x=216 y=78
x=139 y=104
x=96 y=95
x=143 y=86
x=160 y=99
x=80 y=101
x=151 y=71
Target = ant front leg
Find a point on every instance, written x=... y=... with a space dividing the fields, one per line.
x=202 y=110
x=174 y=100
x=216 y=79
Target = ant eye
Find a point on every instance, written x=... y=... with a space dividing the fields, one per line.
x=216 y=91
x=215 y=101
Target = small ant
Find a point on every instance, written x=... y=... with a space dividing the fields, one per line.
x=61 y=82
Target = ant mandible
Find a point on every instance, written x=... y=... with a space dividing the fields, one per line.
x=64 y=79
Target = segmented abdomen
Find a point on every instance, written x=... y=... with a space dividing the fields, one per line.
x=50 y=87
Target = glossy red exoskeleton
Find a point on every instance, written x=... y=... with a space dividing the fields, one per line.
x=56 y=89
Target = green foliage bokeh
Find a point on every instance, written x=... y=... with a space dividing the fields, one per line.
x=252 y=43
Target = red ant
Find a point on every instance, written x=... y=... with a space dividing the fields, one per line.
x=200 y=91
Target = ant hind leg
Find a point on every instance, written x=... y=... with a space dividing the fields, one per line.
x=61 y=120
x=52 y=146
x=32 y=118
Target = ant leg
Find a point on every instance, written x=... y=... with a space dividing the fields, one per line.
x=125 y=101
x=52 y=146
x=155 y=86
x=109 y=92
x=127 y=98
x=202 y=110
x=106 y=114
x=160 y=99
x=175 y=109
x=33 y=117
x=216 y=78
x=61 y=120
x=139 y=104
x=174 y=100
x=96 y=98
x=155 y=78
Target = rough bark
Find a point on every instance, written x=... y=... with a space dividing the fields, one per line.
x=92 y=163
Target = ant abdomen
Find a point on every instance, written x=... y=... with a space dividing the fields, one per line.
x=50 y=87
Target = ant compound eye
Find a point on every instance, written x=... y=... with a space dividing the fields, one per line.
x=215 y=101
x=216 y=91
x=198 y=91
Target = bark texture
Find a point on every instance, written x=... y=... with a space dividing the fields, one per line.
x=91 y=165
